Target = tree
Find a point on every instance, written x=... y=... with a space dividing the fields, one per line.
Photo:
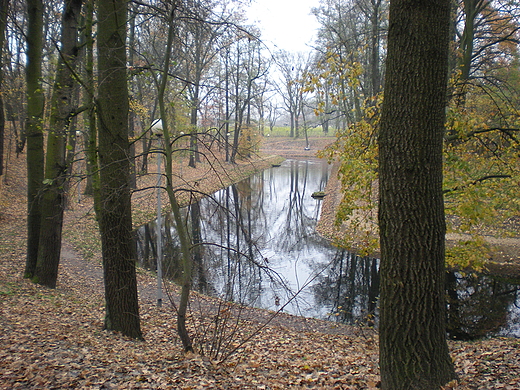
x=90 y=139
x=487 y=33
x=413 y=349
x=14 y=90
x=350 y=39
x=249 y=67
x=481 y=150
x=293 y=68
x=197 y=37
x=481 y=142
x=273 y=114
x=115 y=218
x=4 y=6
x=180 y=225
x=34 y=130
x=56 y=170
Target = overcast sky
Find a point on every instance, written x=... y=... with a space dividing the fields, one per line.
x=285 y=24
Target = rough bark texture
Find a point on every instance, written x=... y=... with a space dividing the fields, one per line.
x=34 y=130
x=53 y=199
x=413 y=348
x=115 y=219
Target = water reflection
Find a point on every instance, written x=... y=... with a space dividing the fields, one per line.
x=255 y=243
x=264 y=227
x=350 y=289
x=263 y=245
x=479 y=305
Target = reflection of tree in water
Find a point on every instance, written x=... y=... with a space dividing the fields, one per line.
x=146 y=245
x=269 y=209
x=477 y=305
x=199 y=276
x=350 y=288
x=235 y=263
x=298 y=226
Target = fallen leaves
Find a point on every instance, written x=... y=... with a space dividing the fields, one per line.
x=53 y=339
x=487 y=364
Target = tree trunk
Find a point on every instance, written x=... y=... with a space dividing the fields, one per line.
x=2 y=123
x=34 y=131
x=4 y=6
x=226 y=136
x=193 y=136
x=180 y=225
x=291 y=131
x=413 y=349
x=471 y=10
x=53 y=200
x=131 y=114
x=115 y=219
x=238 y=119
x=90 y=138
x=195 y=101
x=374 y=49
x=70 y=158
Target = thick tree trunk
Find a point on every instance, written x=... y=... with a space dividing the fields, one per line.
x=115 y=218
x=132 y=115
x=413 y=348
x=53 y=200
x=34 y=131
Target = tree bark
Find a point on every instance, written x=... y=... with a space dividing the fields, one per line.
x=34 y=131
x=90 y=139
x=115 y=218
x=413 y=348
x=4 y=6
x=53 y=198
x=131 y=114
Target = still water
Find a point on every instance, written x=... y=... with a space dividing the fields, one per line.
x=257 y=245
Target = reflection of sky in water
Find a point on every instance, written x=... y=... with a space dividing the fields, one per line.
x=278 y=209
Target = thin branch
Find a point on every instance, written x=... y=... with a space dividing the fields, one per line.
x=475 y=182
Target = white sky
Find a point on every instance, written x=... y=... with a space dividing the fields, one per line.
x=285 y=24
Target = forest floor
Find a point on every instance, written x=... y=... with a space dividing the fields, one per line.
x=54 y=338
